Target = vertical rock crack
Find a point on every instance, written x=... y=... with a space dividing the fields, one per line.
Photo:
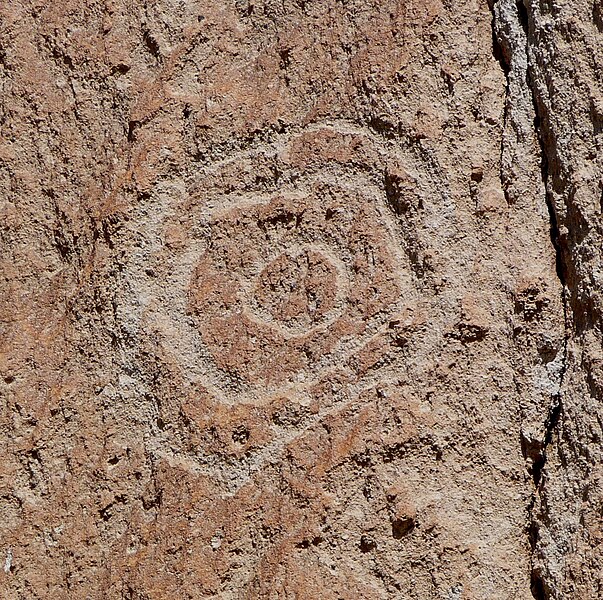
x=511 y=35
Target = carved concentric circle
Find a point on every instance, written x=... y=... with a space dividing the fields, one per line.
x=287 y=282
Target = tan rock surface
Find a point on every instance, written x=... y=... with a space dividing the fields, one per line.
x=299 y=299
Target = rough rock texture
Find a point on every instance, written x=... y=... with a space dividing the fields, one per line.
x=559 y=62
x=300 y=299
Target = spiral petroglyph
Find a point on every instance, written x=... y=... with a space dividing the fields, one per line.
x=300 y=298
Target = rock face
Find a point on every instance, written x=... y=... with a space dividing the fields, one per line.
x=559 y=62
x=301 y=299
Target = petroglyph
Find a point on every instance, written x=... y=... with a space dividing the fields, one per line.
x=288 y=285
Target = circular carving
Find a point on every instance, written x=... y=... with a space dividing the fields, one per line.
x=287 y=284
x=299 y=291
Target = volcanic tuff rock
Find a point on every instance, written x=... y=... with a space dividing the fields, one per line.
x=301 y=299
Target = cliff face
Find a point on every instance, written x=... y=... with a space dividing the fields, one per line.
x=300 y=299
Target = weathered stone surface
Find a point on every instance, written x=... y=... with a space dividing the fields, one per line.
x=300 y=299
x=561 y=71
